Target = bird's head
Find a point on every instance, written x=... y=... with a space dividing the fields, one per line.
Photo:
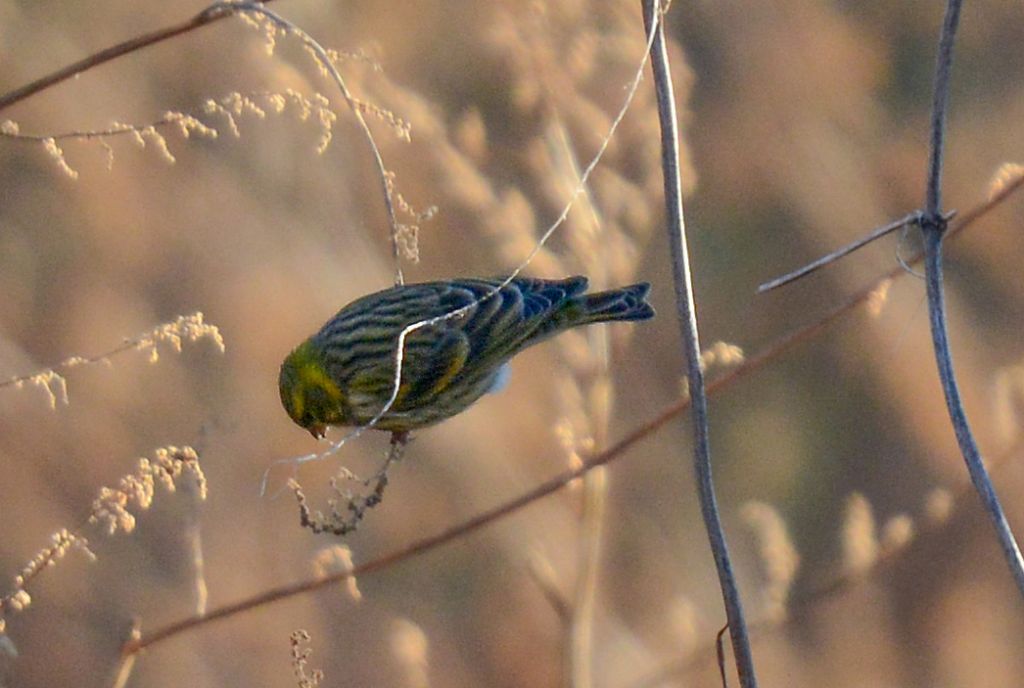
x=312 y=399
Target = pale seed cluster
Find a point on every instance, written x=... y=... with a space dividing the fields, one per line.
x=111 y=508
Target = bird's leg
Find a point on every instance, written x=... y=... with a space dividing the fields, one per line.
x=398 y=441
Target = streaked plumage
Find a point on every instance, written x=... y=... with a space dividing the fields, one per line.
x=344 y=374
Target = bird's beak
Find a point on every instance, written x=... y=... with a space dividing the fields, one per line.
x=317 y=431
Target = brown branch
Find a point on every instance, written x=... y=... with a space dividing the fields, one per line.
x=207 y=16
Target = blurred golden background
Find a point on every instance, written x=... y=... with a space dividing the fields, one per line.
x=805 y=126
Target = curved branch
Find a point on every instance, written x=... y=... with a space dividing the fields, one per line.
x=934 y=227
x=207 y=16
x=964 y=437
x=688 y=325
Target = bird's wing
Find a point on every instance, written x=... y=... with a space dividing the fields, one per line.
x=474 y=343
x=431 y=371
x=493 y=327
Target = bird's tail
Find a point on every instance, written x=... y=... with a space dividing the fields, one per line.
x=626 y=303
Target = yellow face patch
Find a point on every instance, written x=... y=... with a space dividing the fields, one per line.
x=311 y=396
x=312 y=376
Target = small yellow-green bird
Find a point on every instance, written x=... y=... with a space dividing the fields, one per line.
x=345 y=373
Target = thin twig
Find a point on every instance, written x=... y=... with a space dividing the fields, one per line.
x=933 y=227
x=194 y=538
x=940 y=105
x=965 y=220
x=688 y=325
x=720 y=654
x=580 y=654
x=207 y=16
x=185 y=327
x=125 y=664
x=345 y=517
x=909 y=219
x=912 y=218
x=256 y=7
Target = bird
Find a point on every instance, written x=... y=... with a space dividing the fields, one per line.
x=469 y=329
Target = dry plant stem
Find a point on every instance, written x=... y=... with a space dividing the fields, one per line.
x=256 y=7
x=933 y=226
x=194 y=538
x=940 y=105
x=147 y=341
x=348 y=520
x=580 y=656
x=667 y=414
x=123 y=670
x=964 y=436
x=205 y=17
x=688 y=325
